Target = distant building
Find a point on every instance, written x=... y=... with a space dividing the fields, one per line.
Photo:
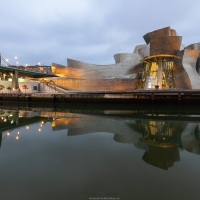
x=36 y=68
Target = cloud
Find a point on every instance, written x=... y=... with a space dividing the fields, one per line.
x=53 y=30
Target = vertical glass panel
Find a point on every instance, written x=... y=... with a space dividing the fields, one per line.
x=168 y=79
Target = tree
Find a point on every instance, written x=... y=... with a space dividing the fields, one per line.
x=25 y=88
x=1 y=87
x=9 y=88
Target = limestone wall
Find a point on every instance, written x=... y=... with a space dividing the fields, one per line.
x=95 y=84
x=29 y=87
x=5 y=85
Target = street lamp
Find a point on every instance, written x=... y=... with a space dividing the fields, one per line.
x=7 y=60
x=16 y=58
x=26 y=66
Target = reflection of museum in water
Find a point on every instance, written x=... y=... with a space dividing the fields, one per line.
x=160 y=135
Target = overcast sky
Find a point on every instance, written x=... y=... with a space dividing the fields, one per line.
x=92 y=31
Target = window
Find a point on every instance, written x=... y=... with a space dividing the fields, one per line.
x=34 y=87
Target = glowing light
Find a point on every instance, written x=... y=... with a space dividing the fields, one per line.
x=27 y=127
x=18 y=132
x=39 y=129
x=8 y=134
x=17 y=138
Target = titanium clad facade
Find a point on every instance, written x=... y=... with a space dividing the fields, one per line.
x=161 y=63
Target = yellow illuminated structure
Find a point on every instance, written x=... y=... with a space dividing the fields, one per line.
x=157 y=72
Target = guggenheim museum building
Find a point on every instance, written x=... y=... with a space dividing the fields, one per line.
x=160 y=63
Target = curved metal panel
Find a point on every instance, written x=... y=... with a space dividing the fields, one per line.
x=165 y=45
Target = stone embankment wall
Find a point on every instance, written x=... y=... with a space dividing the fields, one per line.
x=134 y=97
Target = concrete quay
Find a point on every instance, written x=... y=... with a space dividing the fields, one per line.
x=135 y=96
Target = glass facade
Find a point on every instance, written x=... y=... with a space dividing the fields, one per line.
x=156 y=73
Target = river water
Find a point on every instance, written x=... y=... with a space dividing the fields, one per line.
x=100 y=152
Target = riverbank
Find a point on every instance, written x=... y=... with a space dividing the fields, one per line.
x=134 y=97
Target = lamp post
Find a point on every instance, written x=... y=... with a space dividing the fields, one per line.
x=17 y=62
x=7 y=60
x=40 y=69
x=26 y=66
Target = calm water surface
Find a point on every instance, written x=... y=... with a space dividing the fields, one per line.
x=107 y=153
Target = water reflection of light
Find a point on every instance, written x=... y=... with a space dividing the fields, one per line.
x=20 y=131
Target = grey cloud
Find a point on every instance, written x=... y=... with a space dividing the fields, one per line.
x=92 y=31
